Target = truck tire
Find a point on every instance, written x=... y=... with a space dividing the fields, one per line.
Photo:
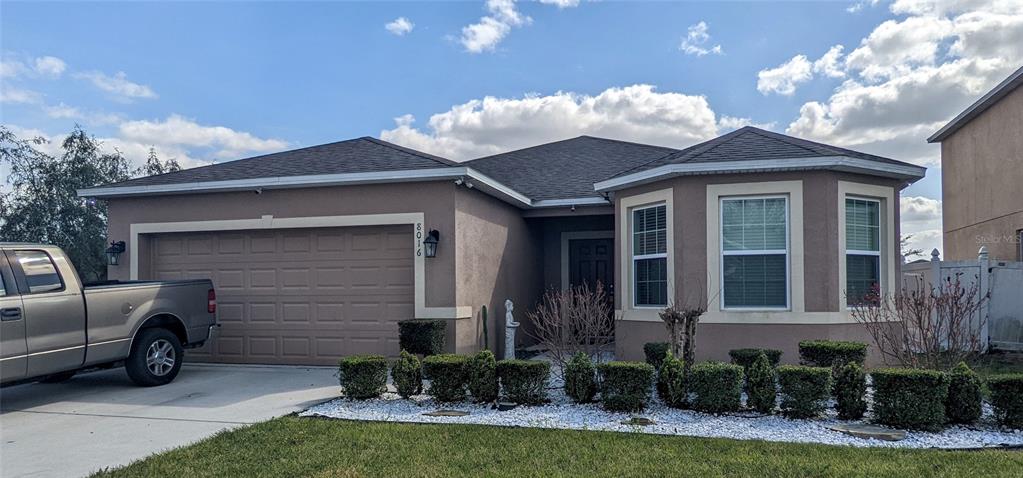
x=155 y=358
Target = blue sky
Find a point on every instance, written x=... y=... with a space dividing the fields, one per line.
x=216 y=81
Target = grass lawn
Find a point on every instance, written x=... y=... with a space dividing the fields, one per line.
x=294 y=447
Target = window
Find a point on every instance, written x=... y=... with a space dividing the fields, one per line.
x=862 y=250
x=40 y=273
x=754 y=249
x=650 y=256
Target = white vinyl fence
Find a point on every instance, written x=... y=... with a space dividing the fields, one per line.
x=1003 y=327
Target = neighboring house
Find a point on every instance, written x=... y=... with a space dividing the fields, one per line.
x=317 y=252
x=982 y=175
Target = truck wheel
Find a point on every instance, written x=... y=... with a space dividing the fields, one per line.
x=155 y=358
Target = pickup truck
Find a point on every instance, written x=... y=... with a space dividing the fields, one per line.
x=51 y=325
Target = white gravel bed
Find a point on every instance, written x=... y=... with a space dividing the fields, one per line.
x=561 y=413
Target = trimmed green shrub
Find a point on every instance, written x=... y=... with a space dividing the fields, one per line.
x=363 y=376
x=746 y=357
x=481 y=372
x=804 y=390
x=717 y=386
x=655 y=353
x=407 y=375
x=761 y=391
x=580 y=378
x=524 y=381
x=850 y=391
x=831 y=353
x=447 y=376
x=423 y=337
x=625 y=386
x=671 y=382
x=963 y=404
x=1007 y=398
x=908 y=398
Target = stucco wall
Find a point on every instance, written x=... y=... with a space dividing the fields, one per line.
x=982 y=183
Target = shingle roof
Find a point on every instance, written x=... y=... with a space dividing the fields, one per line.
x=751 y=144
x=997 y=93
x=565 y=169
x=352 y=156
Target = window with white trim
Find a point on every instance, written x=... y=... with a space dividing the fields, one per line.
x=754 y=252
x=862 y=250
x=650 y=256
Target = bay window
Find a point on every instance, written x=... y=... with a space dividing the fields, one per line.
x=650 y=256
x=754 y=250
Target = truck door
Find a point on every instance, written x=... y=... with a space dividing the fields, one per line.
x=54 y=313
x=12 y=327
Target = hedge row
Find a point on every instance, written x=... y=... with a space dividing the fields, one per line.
x=831 y=353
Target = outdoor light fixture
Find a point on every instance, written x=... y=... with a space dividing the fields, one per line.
x=114 y=251
x=430 y=243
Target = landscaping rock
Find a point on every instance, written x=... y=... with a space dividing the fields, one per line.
x=641 y=421
x=505 y=406
x=446 y=413
x=869 y=431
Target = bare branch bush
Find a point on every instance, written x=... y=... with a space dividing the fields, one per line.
x=578 y=319
x=681 y=321
x=926 y=326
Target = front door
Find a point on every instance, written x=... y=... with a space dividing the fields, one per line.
x=590 y=261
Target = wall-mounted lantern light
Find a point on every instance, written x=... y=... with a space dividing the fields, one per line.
x=430 y=243
x=114 y=252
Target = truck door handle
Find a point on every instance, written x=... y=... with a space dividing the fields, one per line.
x=10 y=313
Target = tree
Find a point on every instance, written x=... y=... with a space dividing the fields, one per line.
x=43 y=205
x=154 y=166
x=908 y=252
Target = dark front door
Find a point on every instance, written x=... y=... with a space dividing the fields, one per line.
x=590 y=261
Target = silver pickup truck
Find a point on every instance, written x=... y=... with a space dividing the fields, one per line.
x=52 y=326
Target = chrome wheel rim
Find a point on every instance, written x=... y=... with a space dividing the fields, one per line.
x=160 y=357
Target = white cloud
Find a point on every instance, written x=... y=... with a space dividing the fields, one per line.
x=920 y=218
x=731 y=123
x=50 y=66
x=117 y=85
x=492 y=125
x=561 y=3
x=860 y=5
x=491 y=29
x=13 y=95
x=695 y=41
x=784 y=78
x=400 y=26
x=831 y=63
x=178 y=131
x=65 y=111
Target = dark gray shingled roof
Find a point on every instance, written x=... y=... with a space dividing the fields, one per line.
x=358 y=155
x=749 y=144
x=565 y=169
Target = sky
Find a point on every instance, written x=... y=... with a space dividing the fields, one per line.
x=207 y=82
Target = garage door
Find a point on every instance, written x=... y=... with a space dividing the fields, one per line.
x=297 y=296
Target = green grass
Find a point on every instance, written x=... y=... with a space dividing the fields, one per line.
x=995 y=364
x=295 y=447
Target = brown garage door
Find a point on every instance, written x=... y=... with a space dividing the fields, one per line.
x=297 y=296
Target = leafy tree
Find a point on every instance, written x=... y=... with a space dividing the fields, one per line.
x=154 y=166
x=43 y=205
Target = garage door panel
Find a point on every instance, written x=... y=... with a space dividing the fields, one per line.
x=304 y=296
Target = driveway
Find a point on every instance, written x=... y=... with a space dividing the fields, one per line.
x=99 y=419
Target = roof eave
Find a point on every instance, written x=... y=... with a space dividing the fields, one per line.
x=907 y=172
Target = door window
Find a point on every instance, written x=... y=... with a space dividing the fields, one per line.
x=40 y=272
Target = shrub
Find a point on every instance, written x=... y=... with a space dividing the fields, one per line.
x=363 y=376
x=963 y=404
x=761 y=391
x=580 y=378
x=424 y=337
x=671 y=382
x=481 y=373
x=910 y=398
x=850 y=391
x=746 y=357
x=625 y=386
x=831 y=353
x=407 y=375
x=1007 y=398
x=524 y=381
x=804 y=390
x=655 y=352
x=717 y=386
x=447 y=376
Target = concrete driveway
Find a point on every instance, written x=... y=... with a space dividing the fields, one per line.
x=99 y=419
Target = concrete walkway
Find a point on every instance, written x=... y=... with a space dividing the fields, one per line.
x=100 y=419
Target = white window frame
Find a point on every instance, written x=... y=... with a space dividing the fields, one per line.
x=635 y=257
x=722 y=253
x=857 y=252
x=887 y=195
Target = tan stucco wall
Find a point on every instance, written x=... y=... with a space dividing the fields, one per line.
x=982 y=183
x=821 y=255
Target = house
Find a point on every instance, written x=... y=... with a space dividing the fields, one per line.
x=982 y=175
x=317 y=252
